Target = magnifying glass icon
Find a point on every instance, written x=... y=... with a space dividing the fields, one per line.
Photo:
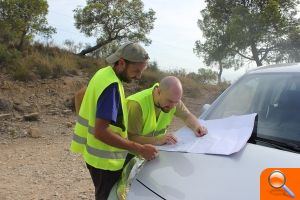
x=277 y=180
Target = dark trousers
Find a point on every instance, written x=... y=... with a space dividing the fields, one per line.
x=104 y=180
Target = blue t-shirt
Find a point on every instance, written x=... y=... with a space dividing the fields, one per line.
x=109 y=106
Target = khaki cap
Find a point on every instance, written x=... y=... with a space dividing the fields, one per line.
x=132 y=52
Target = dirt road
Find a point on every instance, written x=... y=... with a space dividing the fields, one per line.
x=44 y=168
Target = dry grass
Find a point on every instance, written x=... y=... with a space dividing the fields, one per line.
x=41 y=62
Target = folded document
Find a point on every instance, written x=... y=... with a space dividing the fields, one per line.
x=225 y=136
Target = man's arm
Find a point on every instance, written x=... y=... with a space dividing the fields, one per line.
x=108 y=108
x=167 y=138
x=142 y=139
x=78 y=99
x=190 y=120
x=105 y=135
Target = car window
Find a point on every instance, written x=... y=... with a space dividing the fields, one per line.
x=276 y=99
x=238 y=101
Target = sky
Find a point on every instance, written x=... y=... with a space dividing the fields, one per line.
x=173 y=37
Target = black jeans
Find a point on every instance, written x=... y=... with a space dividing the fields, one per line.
x=104 y=180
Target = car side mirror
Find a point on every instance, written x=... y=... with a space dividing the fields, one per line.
x=204 y=108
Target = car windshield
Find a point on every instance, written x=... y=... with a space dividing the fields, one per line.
x=274 y=97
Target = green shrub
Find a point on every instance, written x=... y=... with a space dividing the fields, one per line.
x=3 y=54
x=149 y=77
x=89 y=64
x=66 y=64
x=58 y=70
x=43 y=70
x=7 y=56
x=21 y=72
x=38 y=64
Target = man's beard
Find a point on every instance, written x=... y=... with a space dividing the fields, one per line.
x=165 y=110
x=162 y=109
x=123 y=77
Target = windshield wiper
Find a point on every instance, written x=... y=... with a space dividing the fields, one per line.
x=280 y=145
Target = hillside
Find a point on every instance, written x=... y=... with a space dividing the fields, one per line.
x=36 y=124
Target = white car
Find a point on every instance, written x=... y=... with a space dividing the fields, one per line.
x=273 y=92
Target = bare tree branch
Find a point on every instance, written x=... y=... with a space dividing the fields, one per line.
x=267 y=50
x=247 y=57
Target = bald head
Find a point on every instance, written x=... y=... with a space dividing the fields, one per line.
x=168 y=94
x=171 y=84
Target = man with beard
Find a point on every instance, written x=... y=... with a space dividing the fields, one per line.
x=100 y=133
x=151 y=111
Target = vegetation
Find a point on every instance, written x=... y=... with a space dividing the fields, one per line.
x=215 y=50
x=21 y=20
x=114 y=21
x=259 y=31
x=41 y=61
x=192 y=86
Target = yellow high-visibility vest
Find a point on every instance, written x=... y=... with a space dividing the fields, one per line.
x=152 y=126
x=95 y=152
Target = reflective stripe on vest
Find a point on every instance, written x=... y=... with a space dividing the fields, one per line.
x=99 y=153
x=94 y=151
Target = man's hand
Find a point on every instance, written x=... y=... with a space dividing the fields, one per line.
x=148 y=151
x=166 y=139
x=200 y=131
x=193 y=123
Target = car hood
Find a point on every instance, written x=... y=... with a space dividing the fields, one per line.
x=175 y=175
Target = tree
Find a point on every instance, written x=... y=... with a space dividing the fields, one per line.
x=204 y=75
x=114 y=20
x=215 y=49
x=207 y=75
x=20 y=20
x=290 y=48
x=153 y=66
x=106 y=50
x=256 y=29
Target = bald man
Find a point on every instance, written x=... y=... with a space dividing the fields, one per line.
x=151 y=111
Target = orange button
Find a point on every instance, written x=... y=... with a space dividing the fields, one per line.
x=280 y=183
